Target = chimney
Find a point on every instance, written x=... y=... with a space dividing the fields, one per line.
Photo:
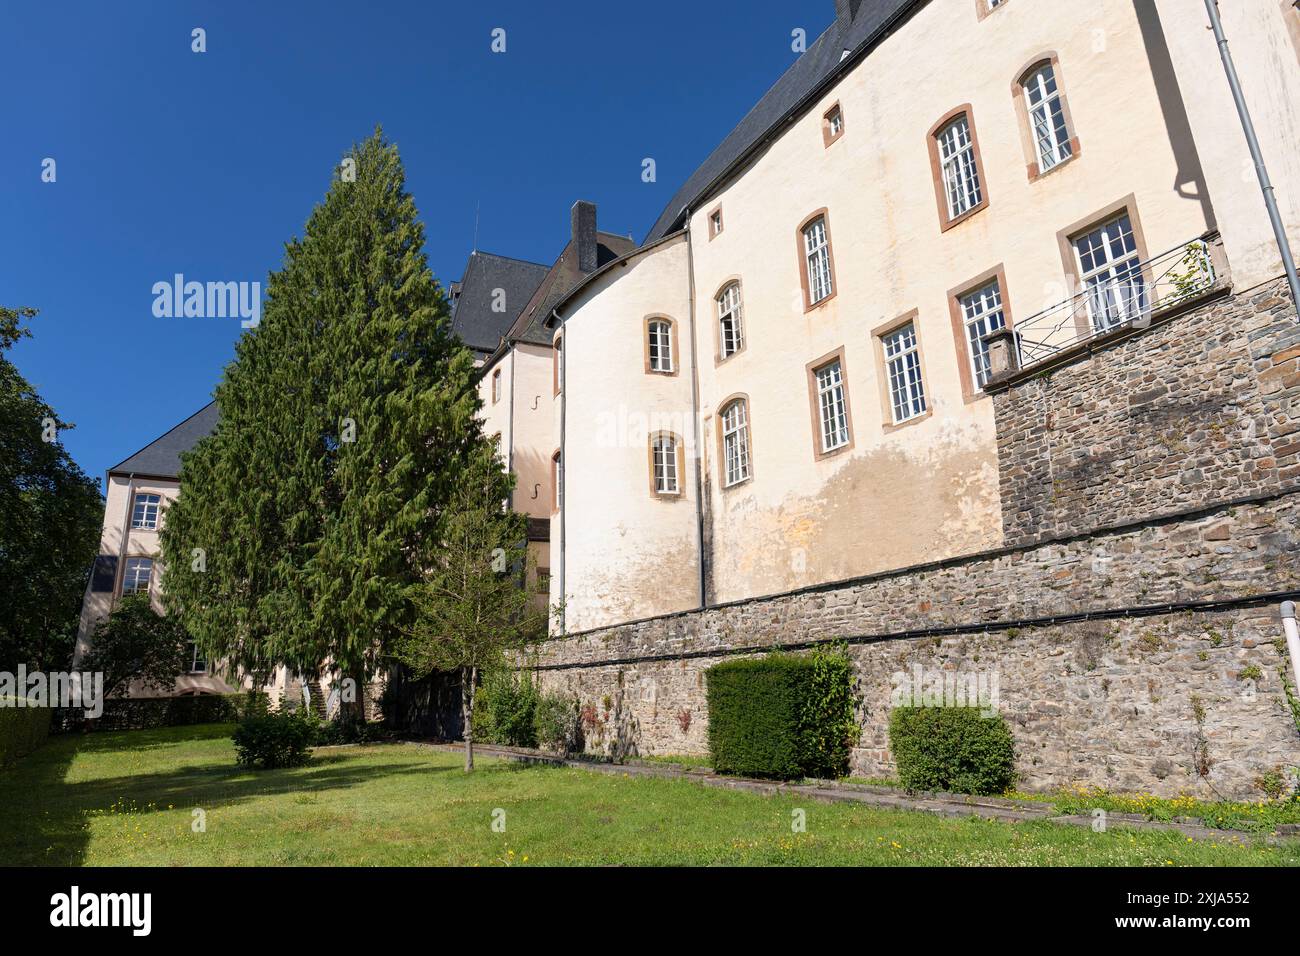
x=845 y=11
x=583 y=217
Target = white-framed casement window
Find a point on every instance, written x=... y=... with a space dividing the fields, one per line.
x=1047 y=118
x=735 y=443
x=817 y=260
x=144 y=511
x=198 y=663
x=903 y=366
x=731 y=329
x=557 y=480
x=832 y=409
x=1111 y=273
x=496 y=386
x=835 y=120
x=663 y=451
x=660 y=344
x=981 y=313
x=135 y=579
x=961 y=179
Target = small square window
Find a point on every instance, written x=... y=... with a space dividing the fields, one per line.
x=715 y=222
x=832 y=124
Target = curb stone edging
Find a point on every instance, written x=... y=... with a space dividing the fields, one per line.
x=1002 y=809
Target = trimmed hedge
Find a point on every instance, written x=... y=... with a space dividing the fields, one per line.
x=22 y=729
x=150 y=713
x=956 y=749
x=782 y=716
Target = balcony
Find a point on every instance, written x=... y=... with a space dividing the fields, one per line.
x=1128 y=299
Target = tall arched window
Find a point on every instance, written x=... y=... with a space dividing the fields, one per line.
x=1047 y=122
x=731 y=331
x=733 y=421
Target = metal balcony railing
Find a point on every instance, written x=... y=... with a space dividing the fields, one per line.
x=1129 y=295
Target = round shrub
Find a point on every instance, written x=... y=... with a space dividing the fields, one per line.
x=504 y=709
x=279 y=739
x=956 y=749
x=556 y=723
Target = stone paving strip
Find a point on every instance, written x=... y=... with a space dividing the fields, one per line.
x=830 y=791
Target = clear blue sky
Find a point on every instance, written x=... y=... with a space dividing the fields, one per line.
x=205 y=164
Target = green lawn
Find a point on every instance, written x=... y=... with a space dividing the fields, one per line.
x=127 y=798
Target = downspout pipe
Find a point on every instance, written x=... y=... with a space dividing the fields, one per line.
x=1252 y=141
x=695 y=418
x=1292 y=631
x=559 y=471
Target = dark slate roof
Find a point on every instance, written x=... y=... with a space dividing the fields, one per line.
x=786 y=99
x=472 y=317
x=564 y=275
x=161 y=458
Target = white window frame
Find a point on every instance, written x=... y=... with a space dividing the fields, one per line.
x=817 y=260
x=735 y=443
x=198 y=663
x=715 y=222
x=982 y=312
x=660 y=344
x=1109 y=263
x=664 y=455
x=962 y=188
x=131 y=582
x=832 y=406
x=731 y=321
x=142 y=504
x=1047 y=124
x=496 y=386
x=902 y=353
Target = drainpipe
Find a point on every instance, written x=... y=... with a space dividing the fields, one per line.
x=695 y=417
x=510 y=427
x=1265 y=185
x=559 y=471
x=1292 y=641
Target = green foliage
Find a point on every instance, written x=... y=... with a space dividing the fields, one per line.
x=557 y=723
x=1259 y=816
x=148 y=713
x=135 y=643
x=279 y=739
x=346 y=419
x=782 y=715
x=22 y=729
x=506 y=709
x=472 y=606
x=50 y=513
x=956 y=749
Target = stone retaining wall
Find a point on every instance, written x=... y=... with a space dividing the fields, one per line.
x=1150 y=498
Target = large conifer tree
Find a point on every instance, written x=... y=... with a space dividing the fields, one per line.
x=346 y=416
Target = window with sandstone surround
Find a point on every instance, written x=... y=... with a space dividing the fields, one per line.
x=496 y=386
x=1110 y=271
x=666 y=465
x=733 y=423
x=555 y=368
x=659 y=346
x=144 y=511
x=1047 y=118
x=828 y=396
x=832 y=124
x=135 y=580
x=903 y=370
x=981 y=313
x=731 y=328
x=715 y=222
x=817 y=268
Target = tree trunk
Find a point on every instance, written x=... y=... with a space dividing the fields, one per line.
x=467 y=677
